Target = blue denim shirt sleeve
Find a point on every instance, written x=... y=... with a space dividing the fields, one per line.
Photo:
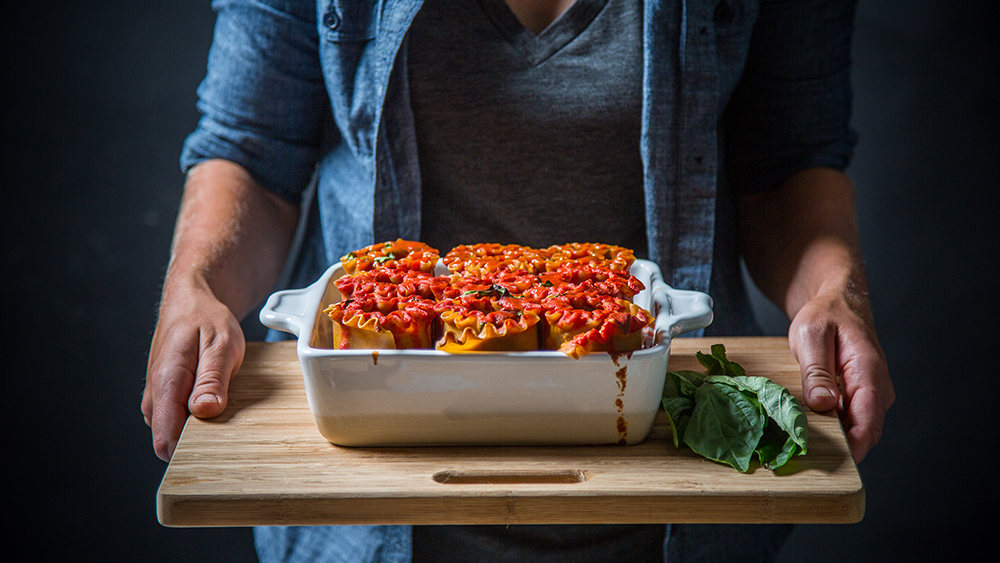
x=791 y=109
x=263 y=100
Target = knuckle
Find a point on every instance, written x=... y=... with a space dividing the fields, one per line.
x=812 y=329
x=223 y=343
x=210 y=378
x=172 y=385
x=881 y=399
x=816 y=374
x=217 y=343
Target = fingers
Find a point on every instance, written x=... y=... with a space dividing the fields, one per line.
x=832 y=341
x=867 y=382
x=814 y=345
x=169 y=379
x=864 y=423
x=169 y=410
x=189 y=371
x=147 y=405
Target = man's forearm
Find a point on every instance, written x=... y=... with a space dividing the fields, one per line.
x=231 y=238
x=801 y=241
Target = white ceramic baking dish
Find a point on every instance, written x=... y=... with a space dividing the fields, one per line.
x=429 y=397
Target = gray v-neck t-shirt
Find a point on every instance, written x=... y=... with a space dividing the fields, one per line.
x=528 y=139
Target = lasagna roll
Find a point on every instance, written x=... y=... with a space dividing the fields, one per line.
x=480 y=260
x=581 y=323
x=597 y=254
x=389 y=282
x=398 y=254
x=516 y=282
x=585 y=278
x=488 y=320
x=372 y=322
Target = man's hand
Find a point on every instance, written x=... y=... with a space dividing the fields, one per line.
x=197 y=347
x=229 y=247
x=843 y=366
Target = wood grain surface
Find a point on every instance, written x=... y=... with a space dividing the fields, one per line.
x=263 y=462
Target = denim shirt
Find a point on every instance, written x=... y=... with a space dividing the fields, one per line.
x=737 y=96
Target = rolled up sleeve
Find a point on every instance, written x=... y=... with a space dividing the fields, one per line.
x=262 y=101
x=791 y=109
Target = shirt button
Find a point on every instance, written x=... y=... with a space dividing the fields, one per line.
x=724 y=13
x=331 y=20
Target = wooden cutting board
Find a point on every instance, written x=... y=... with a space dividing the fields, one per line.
x=263 y=462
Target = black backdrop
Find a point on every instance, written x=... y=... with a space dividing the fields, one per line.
x=101 y=94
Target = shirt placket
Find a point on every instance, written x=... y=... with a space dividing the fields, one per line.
x=680 y=138
x=397 y=173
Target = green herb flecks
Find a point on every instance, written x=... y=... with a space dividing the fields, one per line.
x=495 y=291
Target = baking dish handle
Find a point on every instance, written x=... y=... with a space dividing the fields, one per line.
x=286 y=310
x=680 y=311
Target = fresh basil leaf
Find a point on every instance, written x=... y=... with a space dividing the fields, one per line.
x=771 y=444
x=734 y=382
x=679 y=411
x=718 y=364
x=682 y=383
x=385 y=258
x=788 y=429
x=711 y=364
x=725 y=425
x=776 y=447
x=728 y=417
x=780 y=406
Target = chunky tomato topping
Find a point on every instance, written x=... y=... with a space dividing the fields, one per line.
x=581 y=292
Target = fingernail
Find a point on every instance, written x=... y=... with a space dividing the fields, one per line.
x=820 y=393
x=207 y=398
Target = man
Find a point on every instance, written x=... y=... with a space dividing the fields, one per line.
x=695 y=132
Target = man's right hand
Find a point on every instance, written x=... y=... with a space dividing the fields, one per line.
x=230 y=243
x=197 y=347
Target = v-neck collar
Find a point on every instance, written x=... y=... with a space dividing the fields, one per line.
x=537 y=48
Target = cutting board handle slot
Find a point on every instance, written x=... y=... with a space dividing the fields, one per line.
x=568 y=476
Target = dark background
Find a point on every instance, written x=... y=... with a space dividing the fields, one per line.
x=101 y=95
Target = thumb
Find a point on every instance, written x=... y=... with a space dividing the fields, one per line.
x=814 y=347
x=221 y=356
